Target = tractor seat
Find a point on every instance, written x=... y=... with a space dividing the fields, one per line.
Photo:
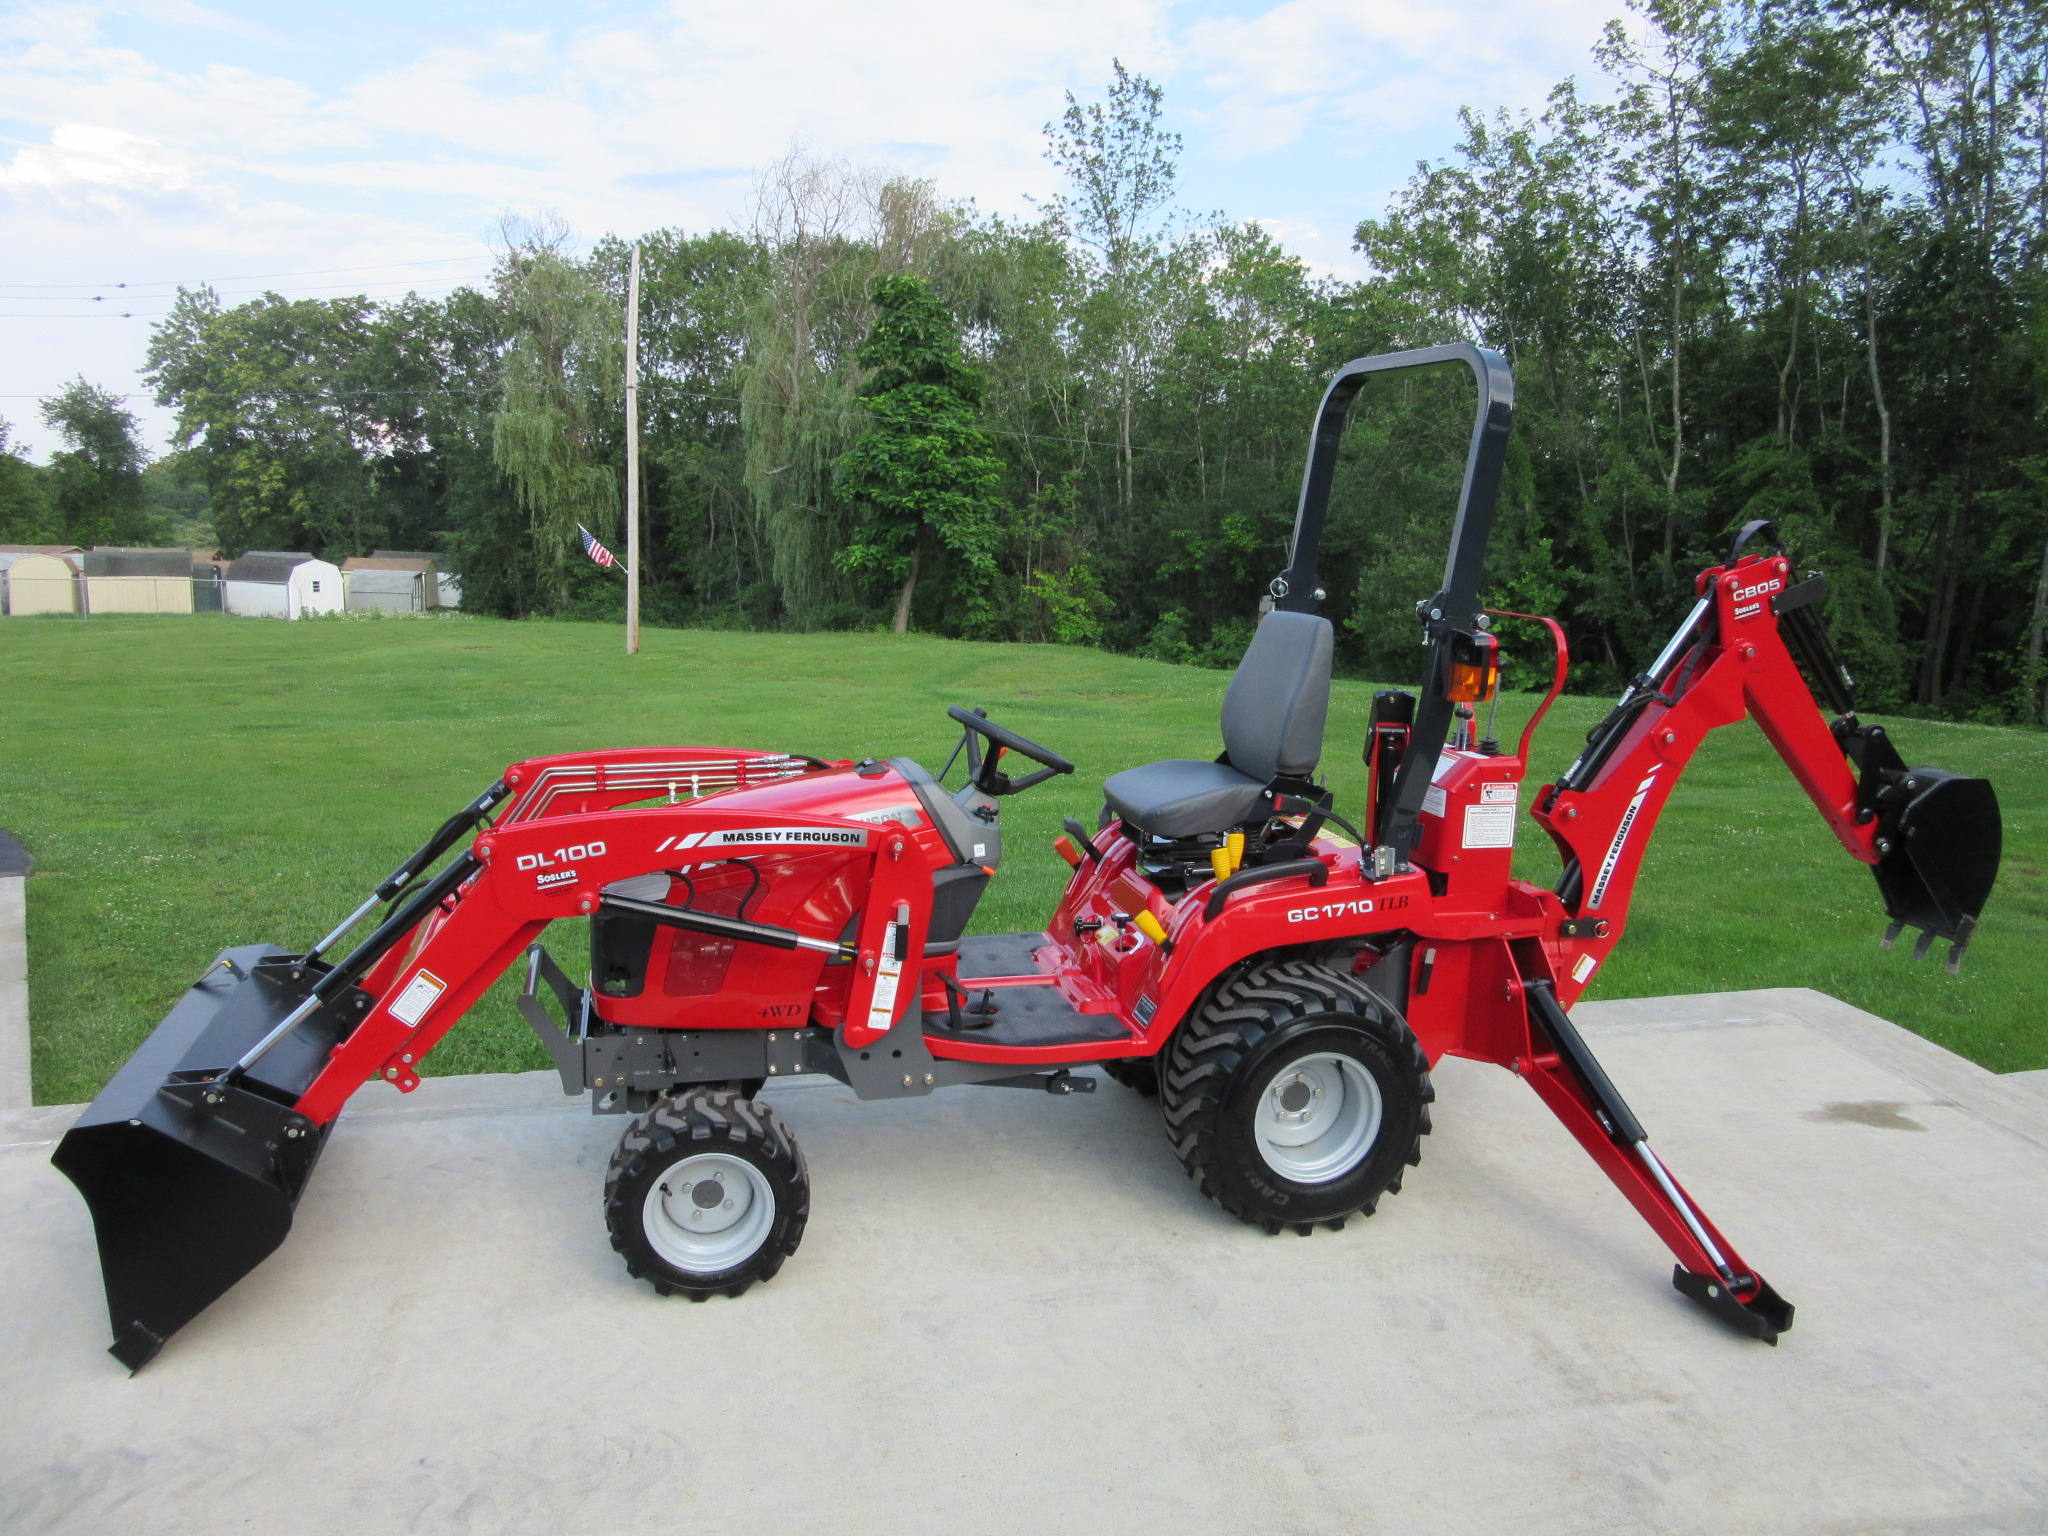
x=1273 y=717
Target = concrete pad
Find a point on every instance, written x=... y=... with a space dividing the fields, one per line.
x=1012 y=1313
x=16 y=1090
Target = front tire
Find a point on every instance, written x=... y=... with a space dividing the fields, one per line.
x=706 y=1194
x=1295 y=1097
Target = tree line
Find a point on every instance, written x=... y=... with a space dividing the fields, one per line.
x=1777 y=260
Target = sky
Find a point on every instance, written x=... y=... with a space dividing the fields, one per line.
x=319 y=149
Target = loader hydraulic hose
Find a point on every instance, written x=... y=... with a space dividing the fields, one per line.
x=365 y=955
x=1634 y=699
x=451 y=831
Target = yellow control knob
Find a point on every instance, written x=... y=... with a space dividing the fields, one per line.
x=1219 y=860
x=1151 y=927
x=1235 y=843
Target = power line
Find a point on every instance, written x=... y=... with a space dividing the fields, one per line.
x=426 y=290
x=247 y=277
x=229 y=293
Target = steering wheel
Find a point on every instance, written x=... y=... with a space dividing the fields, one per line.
x=983 y=773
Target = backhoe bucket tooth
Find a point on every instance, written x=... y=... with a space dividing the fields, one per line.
x=192 y=1179
x=1943 y=858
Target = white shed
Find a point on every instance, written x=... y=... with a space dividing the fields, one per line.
x=282 y=584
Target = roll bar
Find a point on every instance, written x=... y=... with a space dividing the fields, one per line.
x=1455 y=608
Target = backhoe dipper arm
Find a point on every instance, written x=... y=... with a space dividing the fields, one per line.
x=1931 y=837
x=1726 y=660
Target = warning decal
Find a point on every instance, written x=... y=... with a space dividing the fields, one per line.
x=1433 y=801
x=1489 y=826
x=882 y=1009
x=419 y=995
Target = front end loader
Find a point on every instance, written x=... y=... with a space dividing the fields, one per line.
x=1280 y=973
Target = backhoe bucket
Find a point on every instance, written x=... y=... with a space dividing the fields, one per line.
x=191 y=1179
x=1943 y=859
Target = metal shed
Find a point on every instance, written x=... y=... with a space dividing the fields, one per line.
x=447 y=583
x=122 y=580
x=393 y=583
x=41 y=580
x=282 y=584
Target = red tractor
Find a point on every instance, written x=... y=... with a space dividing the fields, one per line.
x=1281 y=977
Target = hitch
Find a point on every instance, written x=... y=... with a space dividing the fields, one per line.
x=1062 y=1082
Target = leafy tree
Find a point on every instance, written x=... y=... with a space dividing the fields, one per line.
x=1786 y=260
x=1120 y=166
x=292 y=414
x=562 y=380
x=922 y=471
x=95 y=481
x=25 y=515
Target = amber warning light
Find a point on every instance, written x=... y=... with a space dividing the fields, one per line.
x=1475 y=669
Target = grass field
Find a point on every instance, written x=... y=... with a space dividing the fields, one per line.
x=185 y=784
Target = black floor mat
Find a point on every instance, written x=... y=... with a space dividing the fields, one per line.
x=1027 y=1016
x=999 y=954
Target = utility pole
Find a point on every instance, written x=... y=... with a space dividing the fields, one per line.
x=633 y=456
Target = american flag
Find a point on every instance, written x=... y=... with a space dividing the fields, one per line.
x=595 y=550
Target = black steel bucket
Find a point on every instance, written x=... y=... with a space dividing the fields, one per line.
x=192 y=1180
x=1943 y=857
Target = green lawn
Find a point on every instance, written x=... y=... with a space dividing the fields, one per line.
x=188 y=783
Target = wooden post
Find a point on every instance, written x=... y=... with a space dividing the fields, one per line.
x=633 y=456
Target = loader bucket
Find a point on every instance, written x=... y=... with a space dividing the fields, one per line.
x=191 y=1180
x=1943 y=858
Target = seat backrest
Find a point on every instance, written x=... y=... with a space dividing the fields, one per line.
x=1279 y=699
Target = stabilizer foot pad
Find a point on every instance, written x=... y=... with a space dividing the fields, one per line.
x=1764 y=1316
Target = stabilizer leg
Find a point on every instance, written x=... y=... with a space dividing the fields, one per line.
x=1575 y=1086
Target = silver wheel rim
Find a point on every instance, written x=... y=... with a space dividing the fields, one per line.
x=708 y=1213
x=1317 y=1118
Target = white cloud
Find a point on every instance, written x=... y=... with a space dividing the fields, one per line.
x=82 y=156
x=247 y=156
x=1378 y=67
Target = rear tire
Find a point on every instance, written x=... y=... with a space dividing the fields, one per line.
x=706 y=1194
x=1294 y=1097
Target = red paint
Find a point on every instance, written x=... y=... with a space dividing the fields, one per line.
x=584 y=821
